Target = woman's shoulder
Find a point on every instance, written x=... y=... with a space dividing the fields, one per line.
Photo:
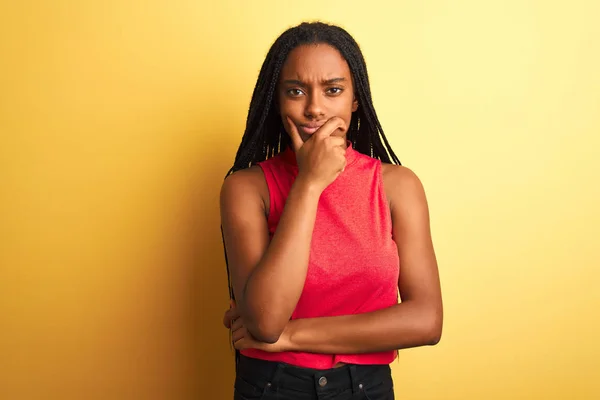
x=401 y=183
x=399 y=174
x=245 y=184
x=246 y=176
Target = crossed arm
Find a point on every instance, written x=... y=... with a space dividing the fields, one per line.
x=415 y=321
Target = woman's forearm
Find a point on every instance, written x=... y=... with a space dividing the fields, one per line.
x=275 y=285
x=409 y=324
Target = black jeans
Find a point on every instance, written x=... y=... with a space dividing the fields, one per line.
x=267 y=380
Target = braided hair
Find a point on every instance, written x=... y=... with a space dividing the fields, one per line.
x=265 y=136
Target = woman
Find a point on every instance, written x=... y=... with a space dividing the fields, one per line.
x=322 y=227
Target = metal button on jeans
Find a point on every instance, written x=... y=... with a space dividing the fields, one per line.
x=322 y=381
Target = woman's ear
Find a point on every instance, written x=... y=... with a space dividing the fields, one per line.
x=354 y=105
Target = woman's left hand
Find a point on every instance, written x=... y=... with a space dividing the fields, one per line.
x=242 y=339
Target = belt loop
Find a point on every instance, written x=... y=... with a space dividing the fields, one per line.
x=272 y=384
x=354 y=379
x=277 y=374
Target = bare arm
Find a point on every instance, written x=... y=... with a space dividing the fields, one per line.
x=417 y=321
x=268 y=278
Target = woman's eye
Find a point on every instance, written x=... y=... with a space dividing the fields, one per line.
x=294 y=92
x=334 y=90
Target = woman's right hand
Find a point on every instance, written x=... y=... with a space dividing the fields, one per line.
x=322 y=157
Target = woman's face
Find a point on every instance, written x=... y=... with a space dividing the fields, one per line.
x=315 y=85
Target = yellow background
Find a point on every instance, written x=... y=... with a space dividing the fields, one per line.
x=119 y=119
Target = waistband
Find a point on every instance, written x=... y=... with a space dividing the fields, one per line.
x=275 y=376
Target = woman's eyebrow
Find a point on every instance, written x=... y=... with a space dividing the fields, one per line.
x=303 y=84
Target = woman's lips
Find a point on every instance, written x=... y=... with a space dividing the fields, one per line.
x=309 y=129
